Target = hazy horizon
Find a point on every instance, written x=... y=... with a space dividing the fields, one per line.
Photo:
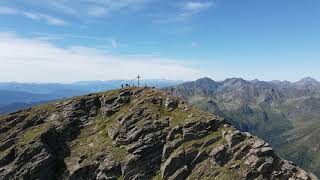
x=109 y=80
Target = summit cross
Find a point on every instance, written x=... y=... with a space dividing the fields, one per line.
x=138 y=77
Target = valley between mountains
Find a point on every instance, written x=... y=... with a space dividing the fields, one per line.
x=133 y=133
x=285 y=114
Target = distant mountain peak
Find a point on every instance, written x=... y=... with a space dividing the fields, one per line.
x=205 y=83
x=308 y=81
x=205 y=79
x=235 y=81
x=255 y=81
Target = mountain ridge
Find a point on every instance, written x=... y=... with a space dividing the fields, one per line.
x=276 y=111
x=14 y=96
x=132 y=133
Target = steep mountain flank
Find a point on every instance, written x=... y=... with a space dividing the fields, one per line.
x=283 y=113
x=135 y=133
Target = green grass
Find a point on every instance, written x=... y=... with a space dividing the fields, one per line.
x=177 y=116
x=31 y=134
x=94 y=140
x=158 y=176
x=209 y=169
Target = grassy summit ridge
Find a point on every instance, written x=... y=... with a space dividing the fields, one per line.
x=132 y=133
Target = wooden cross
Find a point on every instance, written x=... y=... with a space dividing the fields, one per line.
x=139 y=77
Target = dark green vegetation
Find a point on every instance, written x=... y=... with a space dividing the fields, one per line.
x=285 y=114
x=132 y=133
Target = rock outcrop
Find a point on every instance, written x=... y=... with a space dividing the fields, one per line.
x=132 y=133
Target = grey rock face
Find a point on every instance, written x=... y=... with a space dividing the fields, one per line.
x=171 y=103
x=132 y=134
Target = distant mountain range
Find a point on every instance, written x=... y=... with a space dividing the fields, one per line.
x=14 y=96
x=287 y=114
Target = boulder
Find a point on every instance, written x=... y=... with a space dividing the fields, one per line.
x=171 y=103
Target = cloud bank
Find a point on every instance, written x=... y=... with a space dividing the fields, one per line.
x=34 y=60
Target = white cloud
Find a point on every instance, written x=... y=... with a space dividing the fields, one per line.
x=48 y=19
x=68 y=36
x=93 y=8
x=119 y=4
x=52 y=20
x=34 y=16
x=63 y=7
x=197 y=6
x=31 y=15
x=31 y=60
x=192 y=8
x=183 y=12
x=105 y=44
x=96 y=11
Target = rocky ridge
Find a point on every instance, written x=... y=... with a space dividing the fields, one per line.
x=133 y=133
x=283 y=113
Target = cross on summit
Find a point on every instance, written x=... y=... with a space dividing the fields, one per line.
x=138 y=77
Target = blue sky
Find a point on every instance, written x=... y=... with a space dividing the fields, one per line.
x=71 y=40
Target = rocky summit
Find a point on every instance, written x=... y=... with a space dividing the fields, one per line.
x=132 y=133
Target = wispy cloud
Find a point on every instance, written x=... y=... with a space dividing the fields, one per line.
x=62 y=6
x=183 y=11
x=108 y=43
x=191 y=8
x=51 y=20
x=34 y=60
x=94 y=8
x=44 y=17
x=86 y=10
x=197 y=6
x=69 y=36
x=96 y=11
